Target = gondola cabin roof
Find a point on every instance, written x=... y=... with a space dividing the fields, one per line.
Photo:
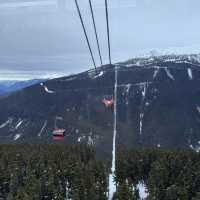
x=59 y=132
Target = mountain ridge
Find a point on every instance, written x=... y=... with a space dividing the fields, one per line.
x=9 y=86
x=158 y=101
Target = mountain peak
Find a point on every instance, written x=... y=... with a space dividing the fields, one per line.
x=171 y=58
x=158 y=102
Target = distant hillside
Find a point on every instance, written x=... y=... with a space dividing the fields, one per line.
x=158 y=105
x=12 y=86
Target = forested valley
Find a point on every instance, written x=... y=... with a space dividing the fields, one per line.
x=63 y=172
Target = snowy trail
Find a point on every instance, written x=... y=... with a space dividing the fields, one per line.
x=144 y=88
x=42 y=129
x=19 y=124
x=190 y=74
x=112 y=186
x=157 y=69
x=17 y=136
x=169 y=74
x=5 y=124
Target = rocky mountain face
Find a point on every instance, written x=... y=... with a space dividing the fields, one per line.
x=158 y=105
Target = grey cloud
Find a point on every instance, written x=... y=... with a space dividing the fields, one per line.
x=46 y=35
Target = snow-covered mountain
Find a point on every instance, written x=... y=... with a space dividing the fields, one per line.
x=9 y=86
x=158 y=105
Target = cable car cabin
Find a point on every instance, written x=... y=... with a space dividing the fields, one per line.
x=58 y=134
x=108 y=102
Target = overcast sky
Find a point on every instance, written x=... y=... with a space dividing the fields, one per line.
x=42 y=38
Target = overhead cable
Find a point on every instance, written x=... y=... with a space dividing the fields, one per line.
x=86 y=36
x=108 y=30
x=95 y=30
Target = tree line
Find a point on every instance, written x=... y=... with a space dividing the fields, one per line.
x=64 y=172
x=166 y=174
x=51 y=172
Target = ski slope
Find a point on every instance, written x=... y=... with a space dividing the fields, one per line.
x=112 y=186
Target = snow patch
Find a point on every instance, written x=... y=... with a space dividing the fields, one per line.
x=93 y=74
x=144 y=92
x=127 y=90
x=156 y=72
x=142 y=190
x=5 y=123
x=46 y=89
x=77 y=131
x=42 y=129
x=81 y=138
x=112 y=186
x=147 y=104
x=196 y=147
x=158 y=145
x=98 y=75
x=67 y=191
x=128 y=87
x=169 y=74
x=17 y=136
x=141 y=122
x=171 y=60
x=143 y=87
x=198 y=109
x=19 y=124
x=129 y=65
x=191 y=146
x=90 y=140
x=190 y=75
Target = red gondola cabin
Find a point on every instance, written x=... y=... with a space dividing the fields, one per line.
x=59 y=134
x=108 y=103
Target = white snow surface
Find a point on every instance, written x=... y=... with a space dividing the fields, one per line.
x=142 y=190
x=190 y=75
x=46 y=89
x=128 y=86
x=93 y=74
x=198 y=109
x=141 y=122
x=90 y=140
x=19 y=124
x=112 y=186
x=81 y=138
x=67 y=191
x=196 y=147
x=42 y=129
x=169 y=74
x=5 y=124
x=144 y=89
x=17 y=136
x=156 y=71
x=98 y=75
x=164 y=56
